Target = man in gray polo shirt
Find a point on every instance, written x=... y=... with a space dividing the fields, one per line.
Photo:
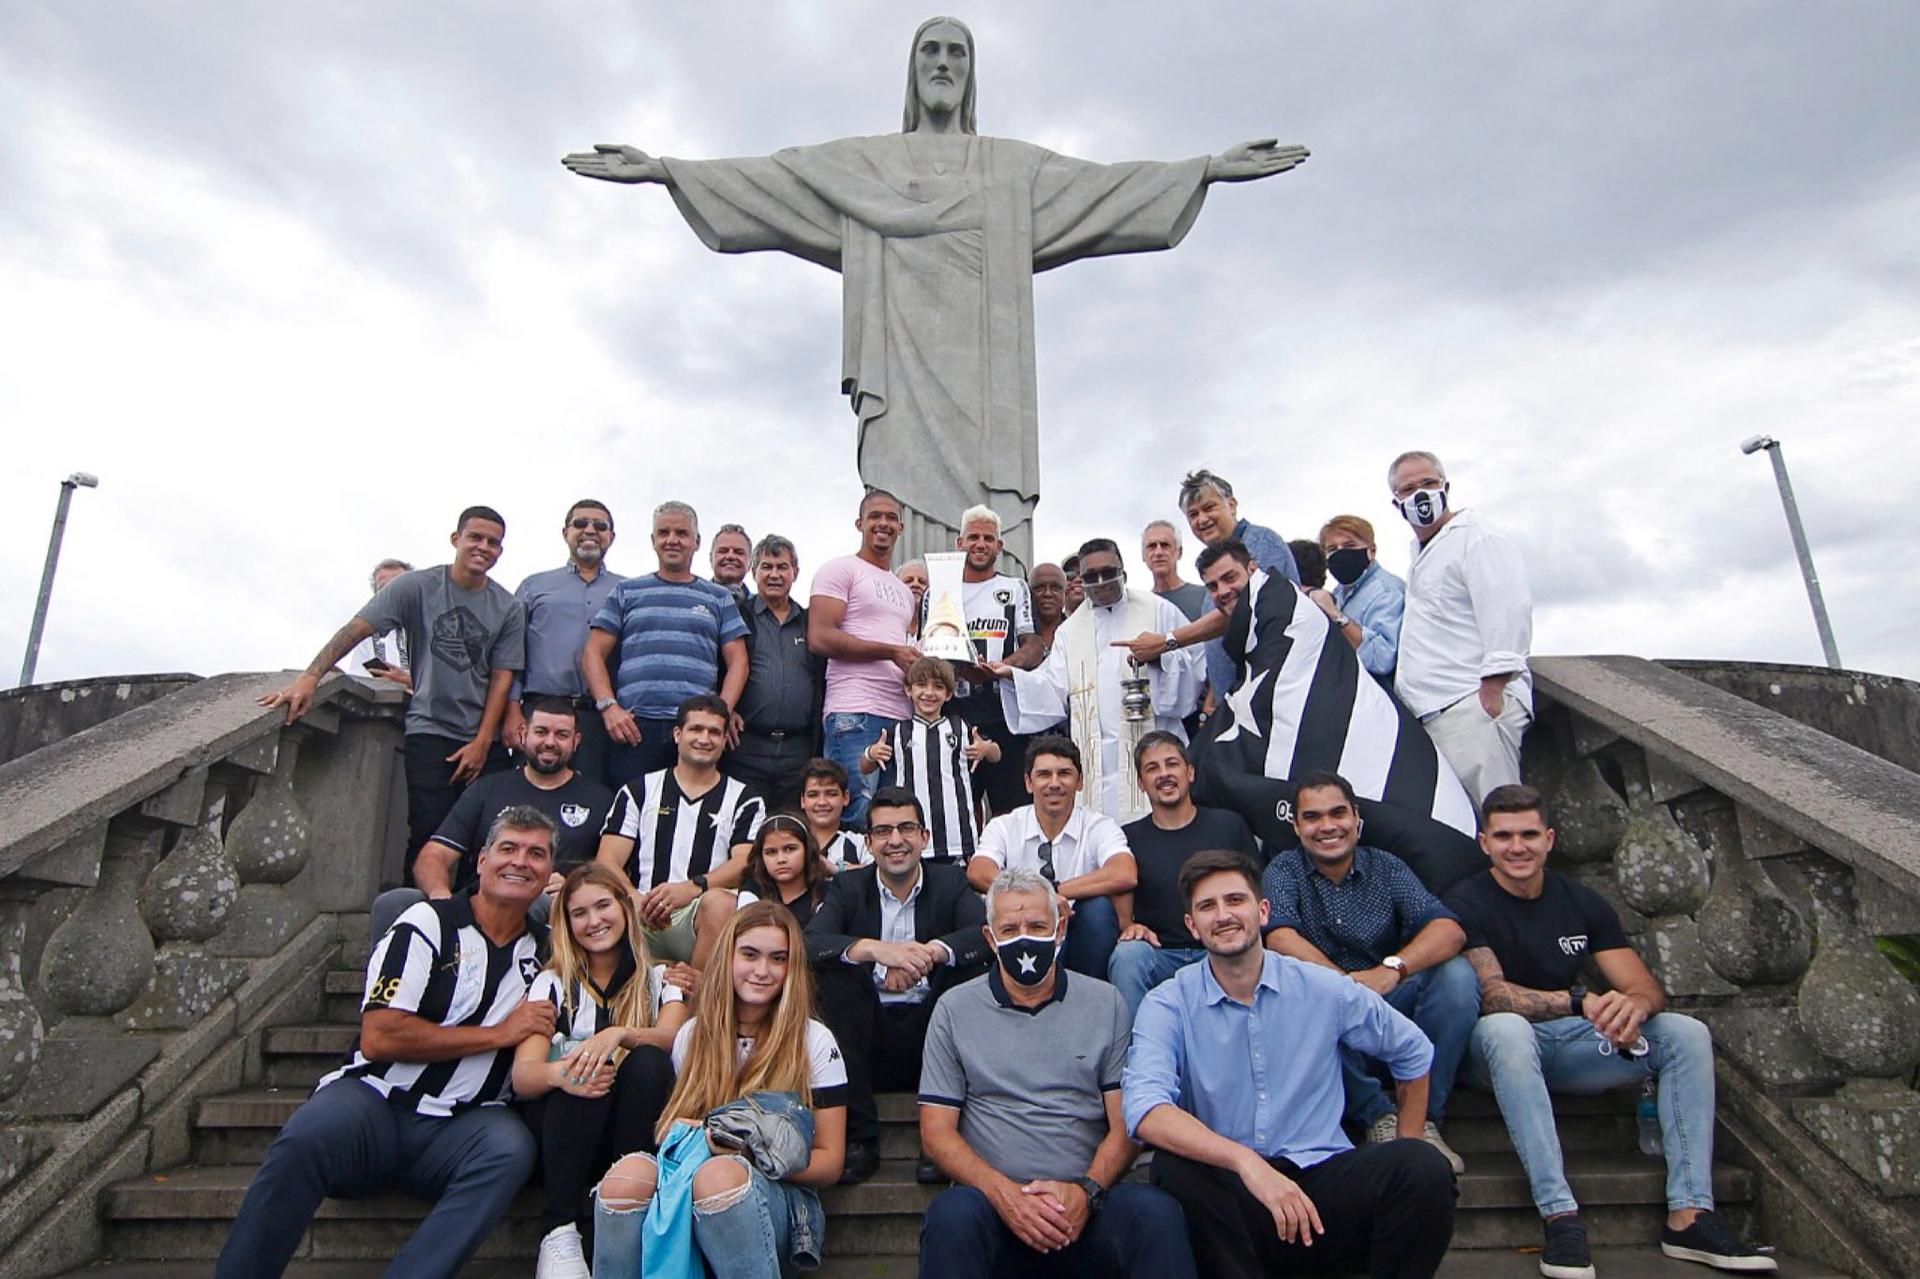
x=1020 y=1105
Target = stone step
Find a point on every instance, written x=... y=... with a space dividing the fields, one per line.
x=184 y=1214
x=1614 y=1263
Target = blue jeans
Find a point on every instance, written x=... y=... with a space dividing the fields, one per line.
x=1444 y=1002
x=348 y=1141
x=748 y=1236
x=1092 y=934
x=1137 y=967
x=1141 y=1232
x=656 y=751
x=1520 y=1060
x=846 y=734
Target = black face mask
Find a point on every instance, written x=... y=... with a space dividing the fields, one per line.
x=1348 y=563
x=1027 y=960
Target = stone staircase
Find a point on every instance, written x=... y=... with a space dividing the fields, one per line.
x=174 y=1222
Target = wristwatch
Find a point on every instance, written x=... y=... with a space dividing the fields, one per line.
x=1096 y=1193
x=698 y=881
x=1343 y=620
x=1398 y=965
x=1576 y=999
x=1171 y=641
x=601 y=703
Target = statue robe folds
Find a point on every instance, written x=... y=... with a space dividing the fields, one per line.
x=937 y=261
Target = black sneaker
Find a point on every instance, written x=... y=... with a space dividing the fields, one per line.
x=1566 y=1255
x=1709 y=1242
x=863 y=1160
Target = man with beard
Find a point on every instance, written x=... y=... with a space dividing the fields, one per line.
x=1081 y=681
x=858 y=618
x=561 y=603
x=1234 y=1079
x=1000 y=628
x=547 y=782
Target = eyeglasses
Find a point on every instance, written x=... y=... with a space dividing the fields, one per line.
x=883 y=833
x=1100 y=577
x=598 y=526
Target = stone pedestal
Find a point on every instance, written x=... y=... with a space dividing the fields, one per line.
x=1873 y=1125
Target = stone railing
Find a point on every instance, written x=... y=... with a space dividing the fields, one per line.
x=1754 y=861
x=169 y=878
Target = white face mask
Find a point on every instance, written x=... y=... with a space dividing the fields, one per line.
x=1423 y=508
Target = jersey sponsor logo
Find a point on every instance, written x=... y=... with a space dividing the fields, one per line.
x=574 y=814
x=459 y=639
x=1574 y=945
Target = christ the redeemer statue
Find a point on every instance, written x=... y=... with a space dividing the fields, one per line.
x=936 y=232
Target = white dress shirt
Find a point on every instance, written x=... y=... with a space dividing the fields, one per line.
x=1469 y=614
x=1086 y=843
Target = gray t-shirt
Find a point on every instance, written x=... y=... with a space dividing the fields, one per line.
x=457 y=638
x=1030 y=1086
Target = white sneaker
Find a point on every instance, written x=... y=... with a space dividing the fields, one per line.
x=561 y=1256
x=1385 y=1128
x=1431 y=1135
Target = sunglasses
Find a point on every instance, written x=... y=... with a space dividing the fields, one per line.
x=1100 y=577
x=598 y=526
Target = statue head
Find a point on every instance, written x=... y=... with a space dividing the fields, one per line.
x=940 y=72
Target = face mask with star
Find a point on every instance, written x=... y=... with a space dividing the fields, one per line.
x=1027 y=960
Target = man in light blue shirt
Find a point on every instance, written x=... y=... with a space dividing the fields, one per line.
x=1367 y=602
x=1234 y=1077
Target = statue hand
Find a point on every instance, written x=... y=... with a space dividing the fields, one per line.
x=611 y=162
x=1258 y=159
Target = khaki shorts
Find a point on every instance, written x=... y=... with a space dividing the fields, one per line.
x=674 y=943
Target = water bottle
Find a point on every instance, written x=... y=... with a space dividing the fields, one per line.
x=1647 y=1118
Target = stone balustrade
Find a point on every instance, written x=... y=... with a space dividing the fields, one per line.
x=1754 y=862
x=167 y=879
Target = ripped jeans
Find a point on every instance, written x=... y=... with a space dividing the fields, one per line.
x=742 y=1233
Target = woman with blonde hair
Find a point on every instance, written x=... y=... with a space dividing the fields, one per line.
x=599 y=1085
x=752 y=1048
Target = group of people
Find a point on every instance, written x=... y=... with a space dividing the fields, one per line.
x=753 y=861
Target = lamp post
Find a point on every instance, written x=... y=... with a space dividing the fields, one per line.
x=1754 y=444
x=79 y=479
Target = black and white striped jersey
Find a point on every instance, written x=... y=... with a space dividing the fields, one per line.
x=437 y=964
x=845 y=849
x=676 y=836
x=580 y=1011
x=930 y=760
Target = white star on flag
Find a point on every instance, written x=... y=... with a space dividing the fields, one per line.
x=1241 y=702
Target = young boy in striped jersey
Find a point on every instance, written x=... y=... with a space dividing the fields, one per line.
x=823 y=799
x=933 y=754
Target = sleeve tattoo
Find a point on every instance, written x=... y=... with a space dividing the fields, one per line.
x=1498 y=995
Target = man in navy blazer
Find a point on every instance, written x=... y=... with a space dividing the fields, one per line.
x=885 y=941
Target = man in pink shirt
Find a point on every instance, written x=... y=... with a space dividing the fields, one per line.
x=859 y=619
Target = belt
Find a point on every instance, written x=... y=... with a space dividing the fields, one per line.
x=778 y=734
x=579 y=701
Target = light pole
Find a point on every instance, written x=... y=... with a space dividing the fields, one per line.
x=1753 y=444
x=79 y=479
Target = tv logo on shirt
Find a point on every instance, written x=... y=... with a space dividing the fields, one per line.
x=1574 y=945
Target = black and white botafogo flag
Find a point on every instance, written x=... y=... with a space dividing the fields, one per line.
x=1303 y=703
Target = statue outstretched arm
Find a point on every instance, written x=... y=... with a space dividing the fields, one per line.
x=611 y=162
x=1252 y=160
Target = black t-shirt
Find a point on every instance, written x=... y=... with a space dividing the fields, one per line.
x=1161 y=853
x=1541 y=942
x=580 y=808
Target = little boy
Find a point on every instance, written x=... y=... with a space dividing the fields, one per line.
x=933 y=754
x=823 y=798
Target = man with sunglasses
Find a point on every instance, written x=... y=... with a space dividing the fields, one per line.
x=560 y=604
x=887 y=939
x=1083 y=681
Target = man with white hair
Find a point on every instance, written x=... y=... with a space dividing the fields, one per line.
x=1160 y=548
x=1082 y=681
x=999 y=612
x=1466 y=632
x=382 y=656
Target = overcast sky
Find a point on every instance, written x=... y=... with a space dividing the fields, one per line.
x=301 y=281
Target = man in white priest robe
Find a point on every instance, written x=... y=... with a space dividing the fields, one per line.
x=1080 y=681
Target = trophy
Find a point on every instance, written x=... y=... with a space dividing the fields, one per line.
x=1136 y=703
x=944 y=633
